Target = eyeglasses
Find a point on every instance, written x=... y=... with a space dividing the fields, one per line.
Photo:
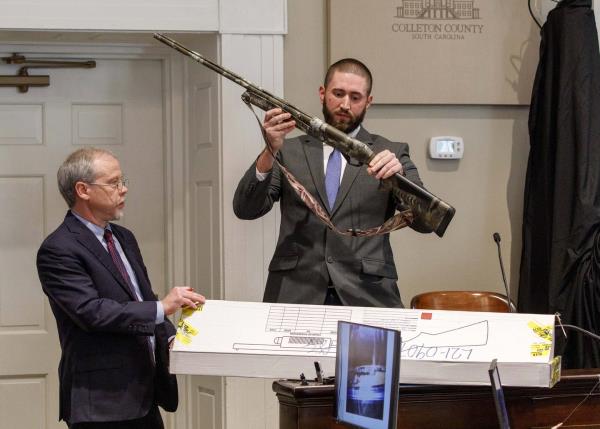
x=116 y=185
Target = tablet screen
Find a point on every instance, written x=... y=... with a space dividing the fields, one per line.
x=367 y=372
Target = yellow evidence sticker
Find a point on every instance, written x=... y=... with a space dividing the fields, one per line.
x=544 y=332
x=540 y=349
x=188 y=311
x=185 y=332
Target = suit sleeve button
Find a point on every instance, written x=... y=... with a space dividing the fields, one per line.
x=330 y=259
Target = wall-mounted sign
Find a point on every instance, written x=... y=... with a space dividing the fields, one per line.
x=439 y=51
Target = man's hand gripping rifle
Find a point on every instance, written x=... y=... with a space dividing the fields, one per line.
x=430 y=213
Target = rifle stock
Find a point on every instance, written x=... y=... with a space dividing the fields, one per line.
x=430 y=212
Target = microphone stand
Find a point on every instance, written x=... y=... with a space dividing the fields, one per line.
x=496 y=237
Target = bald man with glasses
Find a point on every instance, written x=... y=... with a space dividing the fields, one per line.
x=113 y=330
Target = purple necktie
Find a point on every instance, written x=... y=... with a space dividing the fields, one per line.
x=332 y=177
x=114 y=254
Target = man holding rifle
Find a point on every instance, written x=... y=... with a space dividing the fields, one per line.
x=313 y=264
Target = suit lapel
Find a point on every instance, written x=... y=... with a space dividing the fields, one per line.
x=313 y=149
x=87 y=239
x=350 y=172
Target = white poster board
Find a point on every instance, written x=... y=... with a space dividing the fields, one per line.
x=438 y=347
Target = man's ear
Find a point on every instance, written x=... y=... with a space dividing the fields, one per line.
x=322 y=94
x=369 y=101
x=81 y=190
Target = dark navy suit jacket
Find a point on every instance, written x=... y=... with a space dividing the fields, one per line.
x=106 y=369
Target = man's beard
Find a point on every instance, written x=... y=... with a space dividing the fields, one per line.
x=118 y=213
x=346 y=127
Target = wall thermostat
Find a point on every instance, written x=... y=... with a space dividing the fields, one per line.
x=446 y=147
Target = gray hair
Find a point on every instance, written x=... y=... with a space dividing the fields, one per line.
x=78 y=167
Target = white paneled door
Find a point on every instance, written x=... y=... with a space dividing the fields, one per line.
x=119 y=106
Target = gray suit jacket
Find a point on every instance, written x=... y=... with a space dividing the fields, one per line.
x=308 y=254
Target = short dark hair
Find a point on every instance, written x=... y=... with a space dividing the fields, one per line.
x=350 y=65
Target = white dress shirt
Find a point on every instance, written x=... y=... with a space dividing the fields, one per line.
x=327 y=150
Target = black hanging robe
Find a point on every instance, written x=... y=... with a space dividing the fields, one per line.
x=560 y=263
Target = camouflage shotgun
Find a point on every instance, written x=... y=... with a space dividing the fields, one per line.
x=430 y=212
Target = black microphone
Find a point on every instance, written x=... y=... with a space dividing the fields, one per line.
x=496 y=237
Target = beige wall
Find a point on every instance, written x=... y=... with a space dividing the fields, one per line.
x=486 y=186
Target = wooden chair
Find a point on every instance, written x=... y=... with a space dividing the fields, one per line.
x=462 y=301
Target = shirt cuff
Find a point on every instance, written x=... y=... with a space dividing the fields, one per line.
x=160 y=313
x=261 y=176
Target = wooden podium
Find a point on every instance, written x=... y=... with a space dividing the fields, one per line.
x=448 y=407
